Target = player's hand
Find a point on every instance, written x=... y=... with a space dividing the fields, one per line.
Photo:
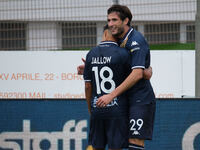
x=80 y=68
x=148 y=73
x=104 y=100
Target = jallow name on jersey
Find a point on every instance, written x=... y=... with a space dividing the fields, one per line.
x=101 y=60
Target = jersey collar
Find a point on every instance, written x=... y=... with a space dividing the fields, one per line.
x=126 y=35
x=108 y=42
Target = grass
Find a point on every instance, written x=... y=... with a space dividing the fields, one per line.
x=174 y=46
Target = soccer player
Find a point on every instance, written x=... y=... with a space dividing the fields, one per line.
x=106 y=68
x=140 y=94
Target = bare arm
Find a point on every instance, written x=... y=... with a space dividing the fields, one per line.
x=148 y=73
x=80 y=68
x=131 y=80
x=88 y=95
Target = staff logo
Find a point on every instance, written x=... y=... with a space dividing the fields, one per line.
x=71 y=131
x=189 y=136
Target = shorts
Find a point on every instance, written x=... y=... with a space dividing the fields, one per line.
x=111 y=132
x=141 y=121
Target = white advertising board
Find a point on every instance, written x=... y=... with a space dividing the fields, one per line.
x=173 y=73
x=41 y=74
x=53 y=74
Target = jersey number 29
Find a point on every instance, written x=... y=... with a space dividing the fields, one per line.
x=101 y=85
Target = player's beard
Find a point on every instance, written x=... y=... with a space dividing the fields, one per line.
x=119 y=32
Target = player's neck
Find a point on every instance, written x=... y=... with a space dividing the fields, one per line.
x=109 y=41
x=126 y=29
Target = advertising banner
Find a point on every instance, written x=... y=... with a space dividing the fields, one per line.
x=41 y=74
x=53 y=74
x=43 y=125
x=63 y=125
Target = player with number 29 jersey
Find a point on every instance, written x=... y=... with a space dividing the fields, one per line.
x=106 y=68
x=141 y=97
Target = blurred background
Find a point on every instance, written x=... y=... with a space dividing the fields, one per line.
x=41 y=44
x=35 y=25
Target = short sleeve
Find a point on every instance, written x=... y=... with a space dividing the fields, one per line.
x=87 y=75
x=138 y=56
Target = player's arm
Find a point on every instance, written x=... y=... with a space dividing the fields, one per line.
x=88 y=95
x=148 y=73
x=80 y=68
x=130 y=81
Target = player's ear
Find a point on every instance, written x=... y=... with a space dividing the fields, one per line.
x=104 y=36
x=126 y=20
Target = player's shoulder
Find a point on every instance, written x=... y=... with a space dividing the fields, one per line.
x=121 y=49
x=92 y=51
x=137 y=41
x=136 y=38
x=90 y=54
x=124 y=54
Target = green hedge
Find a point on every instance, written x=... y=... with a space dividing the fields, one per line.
x=174 y=46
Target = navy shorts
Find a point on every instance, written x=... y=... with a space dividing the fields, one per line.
x=111 y=132
x=141 y=121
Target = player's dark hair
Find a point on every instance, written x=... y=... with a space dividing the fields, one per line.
x=123 y=11
x=105 y=27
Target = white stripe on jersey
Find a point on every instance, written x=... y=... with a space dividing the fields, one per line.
x=138 y=67
x=108 y=42
x=127 y=35
x=87 y=80
x=135 y=147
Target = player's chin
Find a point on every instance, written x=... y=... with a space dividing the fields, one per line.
x=114 y=33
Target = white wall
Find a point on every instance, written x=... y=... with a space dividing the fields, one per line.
x=52 y=74
x=162 y=10
x=95 y=10
x=44 y=36
x=173 y=73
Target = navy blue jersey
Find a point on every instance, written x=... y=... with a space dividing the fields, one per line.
x=106 y=68
x=141 y=92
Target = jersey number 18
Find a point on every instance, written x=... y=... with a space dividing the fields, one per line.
x=101 y=85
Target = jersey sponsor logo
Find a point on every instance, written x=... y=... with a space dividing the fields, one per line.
x=71 y=131
x=95 y=101
x=112 y=103
x=135 y=49
x=134 y=43
x=101 y=60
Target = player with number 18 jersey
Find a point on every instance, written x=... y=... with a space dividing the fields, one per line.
x=106 y=68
